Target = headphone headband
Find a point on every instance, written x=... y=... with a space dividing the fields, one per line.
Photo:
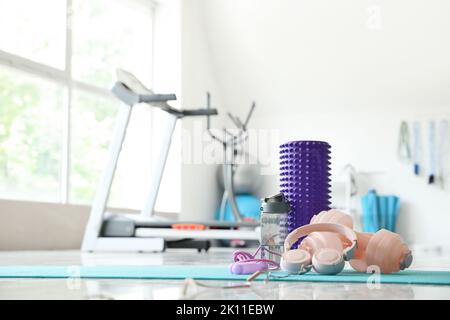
x=323 y=227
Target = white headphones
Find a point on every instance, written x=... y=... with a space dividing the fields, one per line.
x=324 y=260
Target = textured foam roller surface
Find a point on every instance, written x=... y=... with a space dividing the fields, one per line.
x=305 y=179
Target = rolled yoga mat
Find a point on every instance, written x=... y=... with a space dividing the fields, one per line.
x=305 y=179
x=213 y=272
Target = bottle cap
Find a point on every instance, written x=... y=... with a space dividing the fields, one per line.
x=275 y=204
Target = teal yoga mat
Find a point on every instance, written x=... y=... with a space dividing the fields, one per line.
x=211 y=272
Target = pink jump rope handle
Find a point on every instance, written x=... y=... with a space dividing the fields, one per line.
x=248 y=267
x=247 y=263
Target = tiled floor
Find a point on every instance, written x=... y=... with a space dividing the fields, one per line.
x=173 y=289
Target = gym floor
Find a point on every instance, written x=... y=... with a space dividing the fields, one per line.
x=173 y=289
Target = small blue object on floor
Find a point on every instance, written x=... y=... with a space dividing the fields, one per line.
x=213 y=272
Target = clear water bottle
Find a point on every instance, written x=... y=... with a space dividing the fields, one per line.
x=274 y=226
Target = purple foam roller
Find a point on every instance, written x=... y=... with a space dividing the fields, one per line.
x=305 y=179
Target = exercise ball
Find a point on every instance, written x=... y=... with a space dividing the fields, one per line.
x=248 y=206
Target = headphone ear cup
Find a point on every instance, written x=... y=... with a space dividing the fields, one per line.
x=328 y=261
x=295 y=261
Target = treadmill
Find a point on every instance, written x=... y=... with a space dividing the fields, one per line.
x=144 y=232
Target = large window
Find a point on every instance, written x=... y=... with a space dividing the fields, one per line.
x=57 y=63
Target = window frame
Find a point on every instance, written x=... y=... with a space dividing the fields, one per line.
x=65 y=78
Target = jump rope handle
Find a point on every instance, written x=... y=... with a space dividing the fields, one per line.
x=247 y=263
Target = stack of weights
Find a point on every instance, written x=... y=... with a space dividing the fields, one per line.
x=305 y=179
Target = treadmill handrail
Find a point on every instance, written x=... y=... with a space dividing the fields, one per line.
x=128 y=96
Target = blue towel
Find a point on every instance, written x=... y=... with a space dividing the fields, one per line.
x=213 y=272
x=379 y=211
x=393 y=208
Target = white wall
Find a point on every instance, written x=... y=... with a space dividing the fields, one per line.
x=346 y=72
x=200 y=192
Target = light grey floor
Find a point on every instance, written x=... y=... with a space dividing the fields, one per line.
x=171 y=289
